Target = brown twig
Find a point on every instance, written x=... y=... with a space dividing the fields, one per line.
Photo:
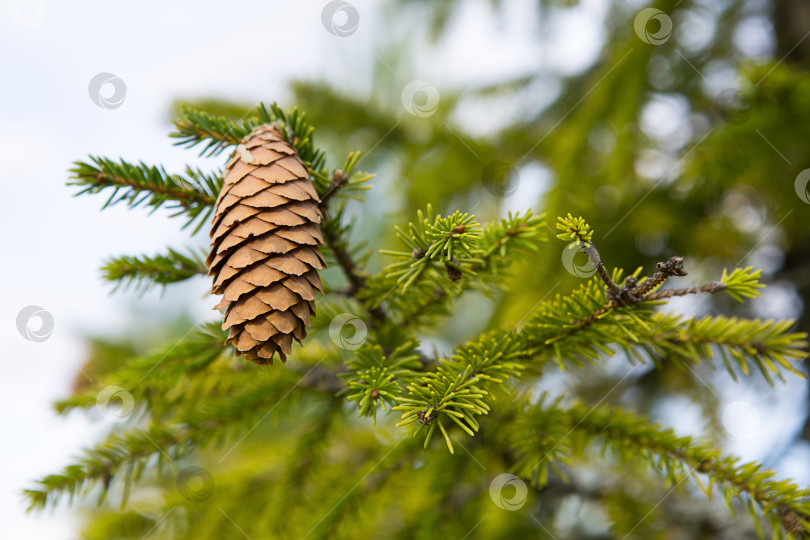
x=339 y=181
x=673 y=267
x=711 y=288
x=593 y=255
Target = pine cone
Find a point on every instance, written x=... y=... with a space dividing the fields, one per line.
x=264 y=249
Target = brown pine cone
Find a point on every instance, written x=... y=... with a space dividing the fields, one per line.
x=264 y=249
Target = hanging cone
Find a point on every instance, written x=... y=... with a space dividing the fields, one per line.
x=264 y=249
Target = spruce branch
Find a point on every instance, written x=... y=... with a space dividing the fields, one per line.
x=126 y=455
x=145 y=271
x=375 y=379
x=156 y=377
x=344 y=182
x=592 y=322
x=216 y=133
x=740 y=284
x=100 y=465
x=192 y=395
x=446 y=243
x=433 y=295
x=194 y=127
x=631 y=438
x=579 y=233
x=768 y=345
x=512 y=235
x=578 y=328
x=348 y=258
x=339 y=180
x=192 y=195
x=458 y=390
x=673 y=267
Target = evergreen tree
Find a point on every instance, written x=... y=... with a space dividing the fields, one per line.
x=210 y=443
x=212 y=446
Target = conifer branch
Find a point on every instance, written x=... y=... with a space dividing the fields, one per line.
x=457 y=391
x=375 y=379
x=565 y=330
x=127 y=454
x=339 y=180
x=576 y=231
x=344 y=182
x=578 y=327
x=434 y=242
x=432 y=292
x=191 y=196
x=215 y=133
x=99 y=465
x=193 y=395
x=740 y=284
x=349 y=259
x=768 y=345
x=630 y=438
x=150 y=377
x=145 y=271
x=394 y=461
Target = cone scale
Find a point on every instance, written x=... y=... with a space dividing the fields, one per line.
x=264 y=247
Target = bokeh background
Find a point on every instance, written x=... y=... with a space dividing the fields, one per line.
x=681 y=130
